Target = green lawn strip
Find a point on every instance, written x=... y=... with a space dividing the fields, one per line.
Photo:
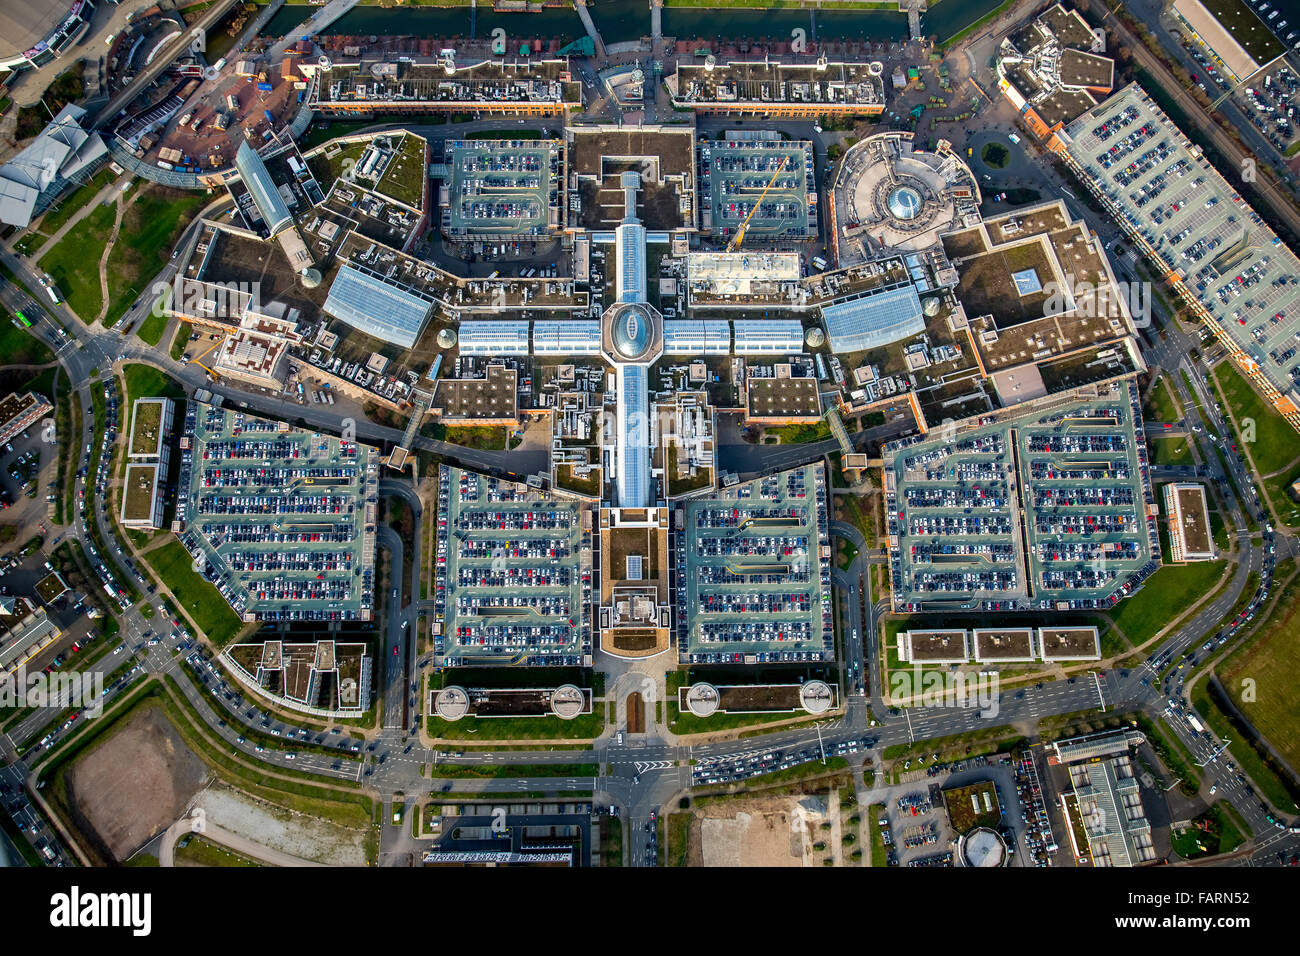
x=73 y=263
x=584 y=728
x=74 y=201
x=983 y=741
x=1254 y=763
x=193 y=850
x=200 y=600
x=611 y=841
x=879 y=852
x=152 y=328
x=18 y=345
x=180 y=341
x=495 y=771
x=67 y=429
x=675 y=838
x=150 y=227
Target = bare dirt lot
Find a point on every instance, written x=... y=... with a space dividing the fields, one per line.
x=285 y=830
x=775 y=831
x=136 y=783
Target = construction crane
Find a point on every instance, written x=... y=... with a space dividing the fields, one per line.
x=739 y=237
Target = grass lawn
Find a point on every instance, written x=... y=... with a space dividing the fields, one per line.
x=1161 y=405
x=73 y=264
x=179 y=341
x=207 y=608
x=1165 y=595
x=586 y=727
x=74 y=201
x=1210 y=834
x=20 y=347
x=800 y=434
x=150 y=227
x=144 y=381
x=152 y=328
x=1276 y=443
x=485 y=437
x=1171 y=451
x=200 y=852
x=403 y=180
x=1267 y=662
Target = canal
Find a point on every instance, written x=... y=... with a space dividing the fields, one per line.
x=624 y=20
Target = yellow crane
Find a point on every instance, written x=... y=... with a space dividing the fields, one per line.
x=739 y=237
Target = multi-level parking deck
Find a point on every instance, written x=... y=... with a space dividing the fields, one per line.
x=757 y=583
x=513 y=574
x=1217 y=253
x=735 y=175
x=283 y=518
x=1048 y=508
x=501 y=188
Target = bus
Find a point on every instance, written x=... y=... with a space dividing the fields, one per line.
x=27 y=324
x=48 y=284
x=1195 y=724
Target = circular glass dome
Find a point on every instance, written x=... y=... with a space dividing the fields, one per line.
x=631 y=331
x=904 y=203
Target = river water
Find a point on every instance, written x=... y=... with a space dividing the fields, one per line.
x=622 y=20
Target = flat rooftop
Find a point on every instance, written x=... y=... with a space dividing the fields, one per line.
x=783 y=398
x=417 y=86
x=774 y=84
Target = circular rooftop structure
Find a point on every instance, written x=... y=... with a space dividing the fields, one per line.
x=905 y=203
x=702 y=699
x=816 y=696
x=889 y=197
x=567 y=701
x=630 y=330
x=451 y=703
x=983 y=847
x=446 y=338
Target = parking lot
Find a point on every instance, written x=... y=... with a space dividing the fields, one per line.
x=734 y=175
x=1078 y=475
x=501 y=188
x=285 y=518
x=513 y=574
x=757 y=584
x=1197 y=223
